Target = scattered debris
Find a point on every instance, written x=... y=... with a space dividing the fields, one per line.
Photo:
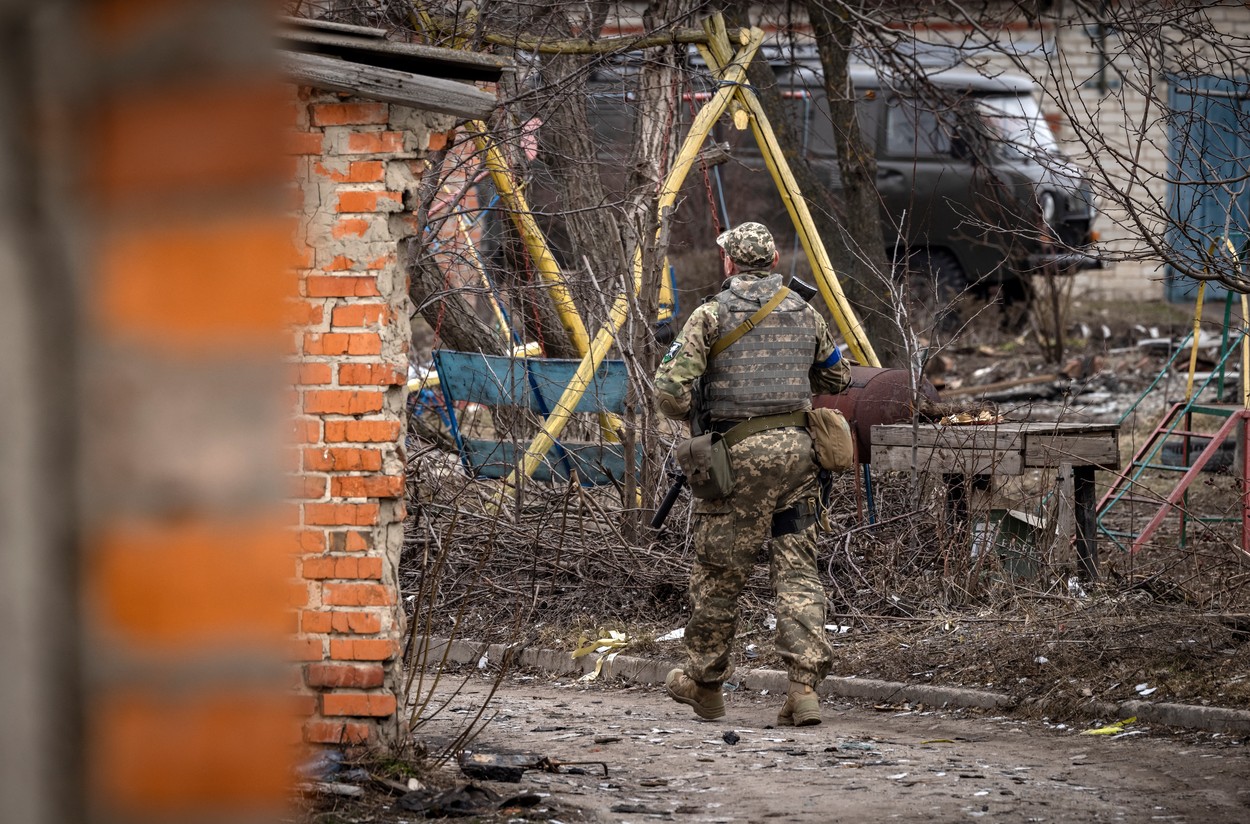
x=1112 y=729
x=730 y=737
x=510 y=766
x=612 y=643
x=321 y=766
x=334 y=788
x=466 y=800
x=640 y=809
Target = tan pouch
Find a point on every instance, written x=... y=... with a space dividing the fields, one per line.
x=831 y=439
x=705 y=460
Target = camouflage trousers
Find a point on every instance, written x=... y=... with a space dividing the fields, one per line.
x=773 y=470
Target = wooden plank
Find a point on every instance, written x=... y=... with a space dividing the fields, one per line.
x=305 y=24
x=929 y=436
x=404 y=57
x=1100 y=449
x=898 y=458
x=430 y=94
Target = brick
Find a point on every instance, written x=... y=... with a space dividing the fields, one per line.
x=439 y=140
x=365 y=171
x=342 y=402
x=139 y=298
x=327 y=344
x=340 y=567
x=341 y=286
x=372 y=374
x=304 y=143
x=307 y=430
x=380 y=263
x=375 y=142
x=305 y=649
x=362 y=431
x=369 y=202
x=335 y=514
x=358 y=171
x=350 y=114
x=309 y=486
x=351 y=676
x=360 y=314
x=341 y=263
x=350 y=541
x=316 y=622
x=361 y=623
x=312 y=540
x=354 y=226
x=315 y=374
x=357 y=595
x=367 y=486
x=305 y=313
x=324 y=622
x=357 y=704
x=296 y=594
x=342 y=459
x=334 y=343
x=304 y=704
x=336 y=732
x=362 y=649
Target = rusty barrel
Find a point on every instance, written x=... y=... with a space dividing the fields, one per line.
x=875 y=396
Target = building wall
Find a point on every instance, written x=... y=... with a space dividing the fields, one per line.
x=357 y=163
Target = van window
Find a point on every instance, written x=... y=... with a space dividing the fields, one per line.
x=915 y=131
x=1016 y=122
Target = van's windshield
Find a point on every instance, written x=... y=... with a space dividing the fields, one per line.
x=1017 y=121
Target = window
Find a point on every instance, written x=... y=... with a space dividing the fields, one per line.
x=915 y=131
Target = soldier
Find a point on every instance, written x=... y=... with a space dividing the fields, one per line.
x=767 y=377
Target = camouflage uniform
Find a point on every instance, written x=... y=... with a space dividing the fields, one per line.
x=773 y=471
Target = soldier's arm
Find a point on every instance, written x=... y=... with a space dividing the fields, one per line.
x=830 y=373
x=684 y=361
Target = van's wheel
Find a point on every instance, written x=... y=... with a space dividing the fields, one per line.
x=936 y=285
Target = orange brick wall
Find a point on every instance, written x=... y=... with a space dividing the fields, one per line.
x=357 y=164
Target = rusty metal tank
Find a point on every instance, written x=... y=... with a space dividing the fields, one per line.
x=875 y=396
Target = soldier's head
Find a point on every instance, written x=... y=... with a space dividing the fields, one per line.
x=748 y=246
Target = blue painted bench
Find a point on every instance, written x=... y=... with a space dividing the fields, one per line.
x=536 y=384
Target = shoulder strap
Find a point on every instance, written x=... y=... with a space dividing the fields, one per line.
x=727 y=340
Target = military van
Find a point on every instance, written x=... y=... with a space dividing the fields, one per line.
x=975 y=194
x=972 y=183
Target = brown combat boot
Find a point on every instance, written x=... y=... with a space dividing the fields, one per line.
x=708 y=702
x=802 y=707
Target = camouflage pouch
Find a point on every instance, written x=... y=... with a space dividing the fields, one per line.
x=705 y=461
x=831 y=439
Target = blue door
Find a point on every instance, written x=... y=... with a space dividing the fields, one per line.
x=1208 y=189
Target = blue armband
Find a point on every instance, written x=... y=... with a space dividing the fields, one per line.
x=832 y=359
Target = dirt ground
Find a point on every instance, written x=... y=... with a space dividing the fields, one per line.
x=906 y=604
x=863 y=763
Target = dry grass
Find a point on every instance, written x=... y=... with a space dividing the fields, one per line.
x=920 y=605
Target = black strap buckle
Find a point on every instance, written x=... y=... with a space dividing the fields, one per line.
x=793 y=520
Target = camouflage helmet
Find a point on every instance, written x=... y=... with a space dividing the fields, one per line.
x=750 y=244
